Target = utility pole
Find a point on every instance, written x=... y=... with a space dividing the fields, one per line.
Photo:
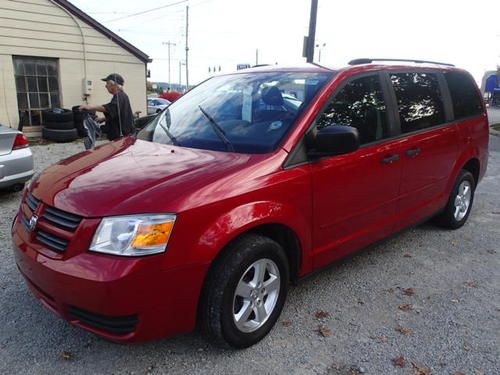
x=256 y=56
x=187 y=47
x=169 y=43
x=309 y=40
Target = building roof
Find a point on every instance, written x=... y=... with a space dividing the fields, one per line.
x=99 y=27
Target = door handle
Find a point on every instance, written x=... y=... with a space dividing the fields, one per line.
x=390 y=159
x=413 y=152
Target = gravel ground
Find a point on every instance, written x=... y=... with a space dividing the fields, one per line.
x=452 y=324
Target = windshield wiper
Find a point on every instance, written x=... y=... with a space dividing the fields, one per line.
x=218 y=130
x=167 y=132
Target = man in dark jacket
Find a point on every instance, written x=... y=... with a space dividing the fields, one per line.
x=118 y=114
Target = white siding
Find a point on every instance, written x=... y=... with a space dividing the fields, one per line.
x=40 y=28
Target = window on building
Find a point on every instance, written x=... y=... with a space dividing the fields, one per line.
x=464 y=94
x=37 y=87
x=419 y=100
x=359 y=104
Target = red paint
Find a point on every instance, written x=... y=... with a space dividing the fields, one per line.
x=335 y=206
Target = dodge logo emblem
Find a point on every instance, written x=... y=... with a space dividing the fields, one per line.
x=32 y=223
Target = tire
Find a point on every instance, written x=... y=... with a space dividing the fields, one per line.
x=459 y=204
x=66 y=135
x=221 y=303
x=51 y=117
x=59 y=125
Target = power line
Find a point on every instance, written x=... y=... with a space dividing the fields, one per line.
x=148 y=11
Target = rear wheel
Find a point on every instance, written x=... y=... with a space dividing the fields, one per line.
x=245 y=292
x=460 y=202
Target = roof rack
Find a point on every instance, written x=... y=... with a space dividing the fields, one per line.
x=369 y=61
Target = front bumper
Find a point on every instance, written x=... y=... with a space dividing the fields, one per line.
x=121 y=299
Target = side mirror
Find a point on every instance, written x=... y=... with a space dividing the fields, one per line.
x=334 y=140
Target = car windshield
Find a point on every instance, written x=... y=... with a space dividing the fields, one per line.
x=246 y=113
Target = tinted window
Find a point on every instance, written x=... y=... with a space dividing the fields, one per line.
x=419 y=100
x=359 y=104
x=466 y=101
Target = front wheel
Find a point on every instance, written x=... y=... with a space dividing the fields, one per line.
x=460 y=202
x=245 y=292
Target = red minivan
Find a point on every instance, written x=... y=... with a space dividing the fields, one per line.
x=248 y=182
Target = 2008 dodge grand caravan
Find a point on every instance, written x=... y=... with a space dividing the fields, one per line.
x=249 y=181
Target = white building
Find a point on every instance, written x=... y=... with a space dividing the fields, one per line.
x=54 y=55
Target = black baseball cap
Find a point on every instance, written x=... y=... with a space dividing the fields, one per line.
x=114 y=77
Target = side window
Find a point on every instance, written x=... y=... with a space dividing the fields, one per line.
x=419 y=100
x=359 y=104
x=466 y=100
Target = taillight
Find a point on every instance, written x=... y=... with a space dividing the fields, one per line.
x=20 y=142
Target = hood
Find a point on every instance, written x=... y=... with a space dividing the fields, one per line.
x=133 y=176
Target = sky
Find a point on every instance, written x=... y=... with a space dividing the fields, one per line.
x=229 y=32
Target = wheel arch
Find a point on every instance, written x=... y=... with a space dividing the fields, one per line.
x=474 y=167
x=278 y=232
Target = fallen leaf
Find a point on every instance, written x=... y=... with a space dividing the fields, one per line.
x=409 y=292
x=324 y=331
x=467 y=348
x=399 y=361
x=352 y=372
x=477 y=372
x=455 y=300
x=454 y=243
x=471 y=284
x=67 y=356
x=286 y=323
x=405 y=331
x=321 y=314
x=405 y=307
x=379 y=338
x=421 y=370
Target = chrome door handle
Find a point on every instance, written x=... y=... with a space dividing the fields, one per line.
x=413 y=152
x=390 y=159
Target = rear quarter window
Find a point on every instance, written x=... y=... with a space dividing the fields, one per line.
x=464 y=95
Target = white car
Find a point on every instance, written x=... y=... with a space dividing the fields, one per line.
x=16 y=159
x=156 y=105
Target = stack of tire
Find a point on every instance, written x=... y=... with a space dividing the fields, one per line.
x=59 y=125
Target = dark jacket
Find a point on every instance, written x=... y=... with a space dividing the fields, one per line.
x=119 y=116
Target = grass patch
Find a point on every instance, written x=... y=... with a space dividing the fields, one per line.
x=496 y=126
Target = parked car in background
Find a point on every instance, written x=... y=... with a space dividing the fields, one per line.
x=16 y=159
x=234 y=191
x=156 y=105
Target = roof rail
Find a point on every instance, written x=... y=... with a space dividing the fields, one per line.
x=369 y=61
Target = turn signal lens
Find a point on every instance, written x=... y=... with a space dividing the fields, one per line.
x=153 y=234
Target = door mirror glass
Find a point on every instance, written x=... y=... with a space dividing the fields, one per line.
x=336 y=139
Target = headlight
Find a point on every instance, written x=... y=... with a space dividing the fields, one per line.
x=133 y=235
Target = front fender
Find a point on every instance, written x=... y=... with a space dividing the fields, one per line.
x=244 y=218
